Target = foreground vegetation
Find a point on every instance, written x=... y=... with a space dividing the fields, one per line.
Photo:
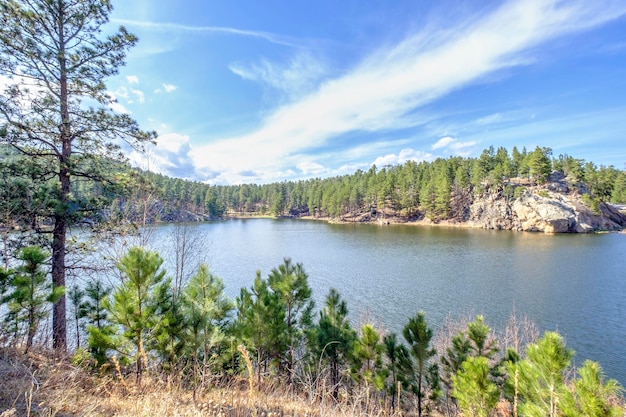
x=168 y=347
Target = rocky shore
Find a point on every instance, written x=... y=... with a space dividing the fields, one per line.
x=553 y=207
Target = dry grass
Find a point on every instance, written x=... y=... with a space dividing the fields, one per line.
x=38 y=385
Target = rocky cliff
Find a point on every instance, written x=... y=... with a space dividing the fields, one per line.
x=546 y=212
x=554 y=207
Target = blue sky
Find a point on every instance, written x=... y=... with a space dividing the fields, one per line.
x=273 y=90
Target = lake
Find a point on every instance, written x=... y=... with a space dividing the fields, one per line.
x=574 y=284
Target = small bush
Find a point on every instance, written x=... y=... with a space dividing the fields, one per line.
x=591 y=203
x=82 y=358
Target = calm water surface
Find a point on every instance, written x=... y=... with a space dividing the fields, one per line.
x=575 y=284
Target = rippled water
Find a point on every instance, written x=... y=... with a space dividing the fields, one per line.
x=575 y=284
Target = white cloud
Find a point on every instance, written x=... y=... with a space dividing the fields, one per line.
x=383 y=92
x=295 y=79
x=128 y=95
x=169 y=88
x=311 y=168
x=404 y=156
x=172 y=142
x=29 y=89
x=118 y=108
x=174 y=27
x=460 y=146
x=115 y=96
x=121 y=92
x=139 y=94
x=171 y=156
x=132 y=79
x=442 y=143
x=452 y=145
x=491 y=119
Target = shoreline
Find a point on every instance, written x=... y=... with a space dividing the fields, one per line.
x=395 y=221
x=387 y=222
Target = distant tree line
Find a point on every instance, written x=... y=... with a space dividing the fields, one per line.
x=272 y=332
x=439 y=190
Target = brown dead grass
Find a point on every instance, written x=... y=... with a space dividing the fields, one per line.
x=39 y=385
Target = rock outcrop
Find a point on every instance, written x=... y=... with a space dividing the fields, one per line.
x=550 y=208
x=553 y=207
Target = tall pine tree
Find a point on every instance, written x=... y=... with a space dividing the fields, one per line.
x=56 y=108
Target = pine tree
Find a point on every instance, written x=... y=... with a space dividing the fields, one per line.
x=367 y=357
x=334 y=337
x=5 y=280
x=419 y=368
x=290 y=283
x=168 y=334
x=56 y=108
x=540 y=164
x=206 y=310
x=481 y=344
x=592 y=396
x=619 y=192
x=261 y=324
x=134 y=303
x=476 y=393
x=80 y=309
x=100 y=330
x=31 y=292
x=542 y=374
x=393 y=352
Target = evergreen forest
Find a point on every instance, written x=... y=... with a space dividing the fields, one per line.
x=439 y=190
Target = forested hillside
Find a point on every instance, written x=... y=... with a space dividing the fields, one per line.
x=443 y=189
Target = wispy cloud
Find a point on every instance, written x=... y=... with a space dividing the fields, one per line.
x=298 y=77
x=442 y=143
x=587 y=134
x=311 y=168
x=175 y=27
x=129 y=95
x=132 y=79
x=171 y=156
x=118 y=108
x=491 y=119
x=138 y=94
x=403 y=156
x=169 y=88
x=450 y=145
x=383 y=92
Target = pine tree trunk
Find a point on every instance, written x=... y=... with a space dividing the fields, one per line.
x=59 y=324
x=31 y=328
x=59 y=319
